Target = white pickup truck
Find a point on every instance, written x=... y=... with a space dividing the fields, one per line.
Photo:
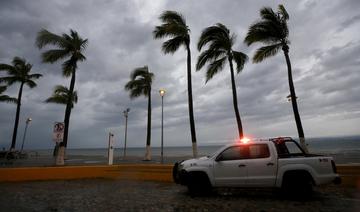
x=272 y=163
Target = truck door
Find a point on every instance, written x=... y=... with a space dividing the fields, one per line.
x=229 y=169
x=262 y=166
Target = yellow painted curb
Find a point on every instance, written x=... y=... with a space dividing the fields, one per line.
x=350 y=175
x=125 y=171
x=151 y=172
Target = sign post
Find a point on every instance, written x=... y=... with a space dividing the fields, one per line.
x=111 y=149
x=58 y=133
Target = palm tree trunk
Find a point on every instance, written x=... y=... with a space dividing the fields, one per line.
x=17 y=116
x=293 y=100
x=148 y=135
x=61 y=153
x=233 y=86
x=190 y=102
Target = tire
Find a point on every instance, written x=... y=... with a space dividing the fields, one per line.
x=175 y=173
x=298 y=185
x=198 y=183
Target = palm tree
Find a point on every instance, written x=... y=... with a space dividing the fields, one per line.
x=220 y=44
x=18 y=72
x=272 y=30
x=6 y=98
x=174 y=26
x=140 y=85
x=60 y=96
x=69 y=48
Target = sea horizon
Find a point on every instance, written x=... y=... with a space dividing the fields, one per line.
x=343 y=149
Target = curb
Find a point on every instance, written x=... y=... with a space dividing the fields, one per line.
x=350 y=175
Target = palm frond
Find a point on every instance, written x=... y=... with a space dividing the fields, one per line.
x=7 y=99
x=139 y=72
x=2 y=89
x=172 y=16
x=170 y=30
x=214 y=68
x=54 y=55
x=30 y=83
x=10 y=80
x=240 y=60
x=264 y=32
x=45 y=37
x=34 y=76
x=57 y=99
x=283 y=12
x=267 y=13
x=265 y=52
x=140 y=82
x=271 y=29
x=59 y=89
x=18 y=61
x=173 y=26
x=69 y=66
x=208 y=55
x=61 y=95
x=6 y=67
x=217 y=34
x=171 y=45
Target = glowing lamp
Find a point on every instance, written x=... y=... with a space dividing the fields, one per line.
x=162 y=92
x=244 y=140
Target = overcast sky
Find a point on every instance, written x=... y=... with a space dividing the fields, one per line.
x=324 y=51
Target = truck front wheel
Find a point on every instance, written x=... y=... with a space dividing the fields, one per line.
x=198 y=183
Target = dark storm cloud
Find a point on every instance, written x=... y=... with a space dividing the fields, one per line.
x=324 y=53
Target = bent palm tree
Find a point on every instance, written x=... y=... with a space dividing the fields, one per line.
x=174 y=26
x=71 y=48
x=140 y=85
x=18 y=72
x=272 y=30
x=220 y=44
x=6 y=98
x=60 y=96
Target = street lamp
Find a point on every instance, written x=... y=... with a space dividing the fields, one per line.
x=28 y=120
x=126 y=114
x=162 y=93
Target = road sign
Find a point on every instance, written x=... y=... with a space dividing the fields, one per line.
x=58 y=134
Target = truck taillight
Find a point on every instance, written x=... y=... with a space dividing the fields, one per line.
x=333 y=166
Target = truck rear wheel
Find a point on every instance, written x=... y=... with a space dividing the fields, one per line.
x=297 y=184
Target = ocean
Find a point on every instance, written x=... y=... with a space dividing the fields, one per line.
x=345 y=150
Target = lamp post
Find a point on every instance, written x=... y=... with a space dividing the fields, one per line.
x=126 y=114
x=28 y=120
x=162 y=93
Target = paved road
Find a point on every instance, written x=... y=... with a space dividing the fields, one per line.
x=115 y=195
